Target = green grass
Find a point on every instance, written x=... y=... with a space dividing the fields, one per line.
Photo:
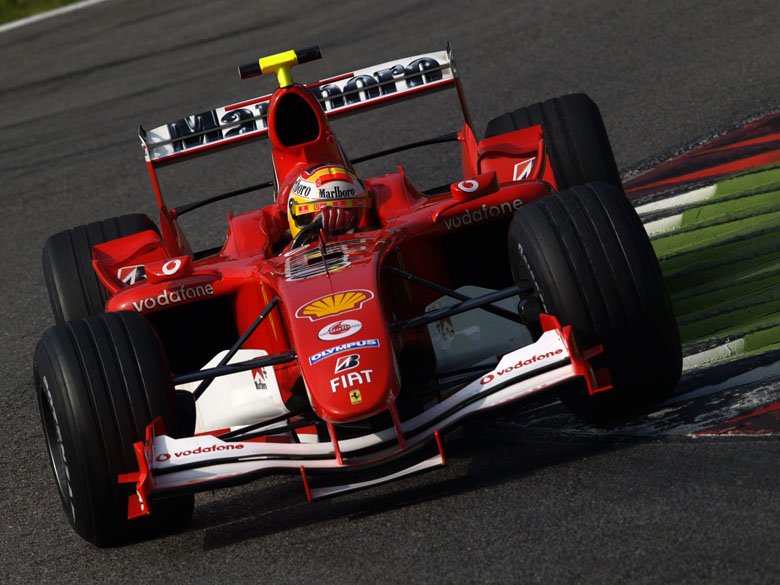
x=722 y=265
x=699 y=235
x=700 y=264
x=16 y=9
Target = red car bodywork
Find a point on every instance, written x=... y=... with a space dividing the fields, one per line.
x=326 y=286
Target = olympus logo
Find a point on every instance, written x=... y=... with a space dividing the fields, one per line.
x=326 y=353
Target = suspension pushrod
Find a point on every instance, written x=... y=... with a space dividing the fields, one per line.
x=187 y=207
x=451 y=293
x=215 y=372
x=265 y=423
x=449 y=137
x=456 y=309
x=237 y=345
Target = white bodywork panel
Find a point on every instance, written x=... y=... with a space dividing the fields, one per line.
x=237 y=399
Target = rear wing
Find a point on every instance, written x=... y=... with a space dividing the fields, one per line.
x=341 y=95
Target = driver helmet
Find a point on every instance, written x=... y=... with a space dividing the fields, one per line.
x=328 y=185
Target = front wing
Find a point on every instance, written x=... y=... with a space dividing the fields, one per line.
x=169 y=466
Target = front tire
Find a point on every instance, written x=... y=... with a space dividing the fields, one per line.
x=100 y=381
x=574 y=135
x=592 y=266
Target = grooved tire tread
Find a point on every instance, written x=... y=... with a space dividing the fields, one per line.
x=593 y=267
x=103 y=379
x=74 y=289
x=575 y=138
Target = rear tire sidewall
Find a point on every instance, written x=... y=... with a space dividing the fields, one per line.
x=75 y=292
x=575 y=138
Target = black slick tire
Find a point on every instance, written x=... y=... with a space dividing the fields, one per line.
x=592 y=266
x=74 y=289
x=99 y=382
x=575 y=138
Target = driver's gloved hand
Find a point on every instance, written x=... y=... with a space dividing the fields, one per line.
x=337 y=220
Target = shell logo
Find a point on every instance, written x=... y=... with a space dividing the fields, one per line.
x=334 y=304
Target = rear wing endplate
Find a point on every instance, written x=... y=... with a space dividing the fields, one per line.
x=341 y=95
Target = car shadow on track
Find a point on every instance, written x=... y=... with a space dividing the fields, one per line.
x=488 y=455
x=491 y=452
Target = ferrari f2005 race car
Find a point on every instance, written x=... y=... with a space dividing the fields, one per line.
x=343 y=330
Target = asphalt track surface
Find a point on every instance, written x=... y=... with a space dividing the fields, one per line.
x=516 y=504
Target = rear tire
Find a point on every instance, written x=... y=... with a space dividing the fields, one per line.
x=74 y=289
x=593 y=267
x=100 y=381
x=575 y=138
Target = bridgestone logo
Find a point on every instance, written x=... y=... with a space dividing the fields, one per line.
x=484 y=213
x=198 y=450
x=172 y=297
x=488 y=378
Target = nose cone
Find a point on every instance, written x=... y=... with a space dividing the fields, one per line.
x=354 y=381
x=344 y=347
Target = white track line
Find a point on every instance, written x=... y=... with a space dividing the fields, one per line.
x=44 y=15
x=695 y=196
x=664 y=225
x=707 y=357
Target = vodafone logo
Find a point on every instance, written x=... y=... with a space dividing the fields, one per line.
x=171 y=267
x=170 y=297
x=488 y=378
x=163 y=457
x=340 y=329
x=469 y=185
x=483 y=213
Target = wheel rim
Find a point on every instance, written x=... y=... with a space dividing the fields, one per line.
x=56 y=450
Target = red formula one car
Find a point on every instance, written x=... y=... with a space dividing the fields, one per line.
x=344 y=329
